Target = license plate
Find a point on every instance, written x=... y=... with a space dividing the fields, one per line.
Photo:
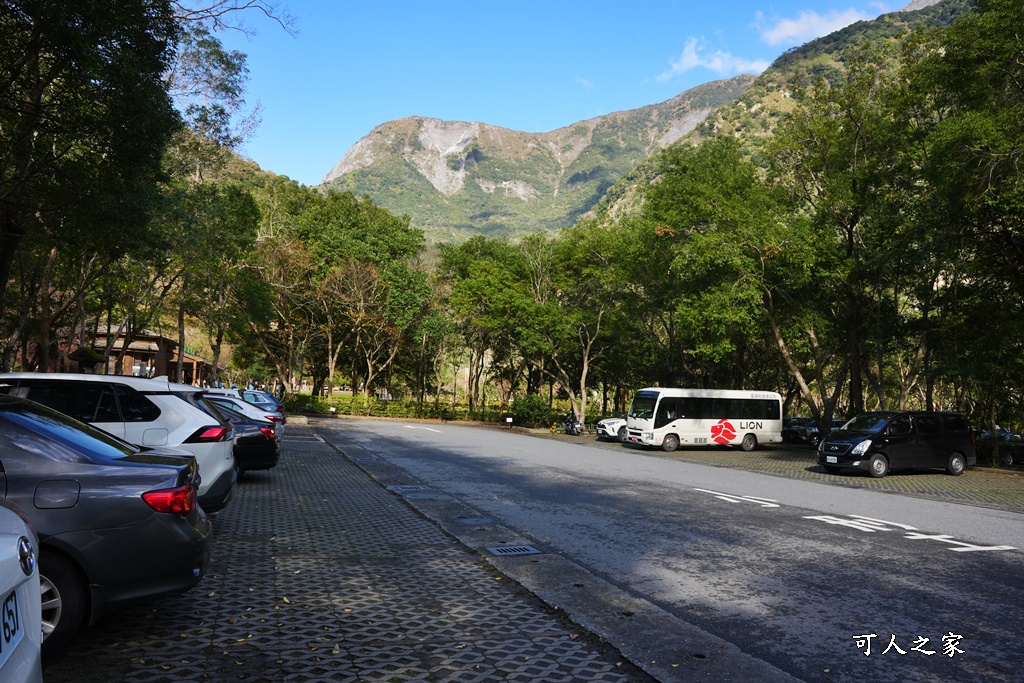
x=11 y=628
x=831 y=458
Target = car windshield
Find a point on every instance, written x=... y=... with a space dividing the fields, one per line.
x=77 y=436
x=643 y=405
x=868 y=422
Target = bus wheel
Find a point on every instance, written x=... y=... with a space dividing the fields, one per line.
x=749 y=442
x=670 y=443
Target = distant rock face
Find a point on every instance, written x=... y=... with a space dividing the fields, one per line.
x=919 y=4
x=456 y=179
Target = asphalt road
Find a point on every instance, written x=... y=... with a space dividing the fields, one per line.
x=801 y=576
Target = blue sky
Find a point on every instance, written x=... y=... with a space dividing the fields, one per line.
x=531 y=66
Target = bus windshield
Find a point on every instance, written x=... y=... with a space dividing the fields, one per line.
x=643 y=404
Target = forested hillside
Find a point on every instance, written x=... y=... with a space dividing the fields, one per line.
x=756 y=113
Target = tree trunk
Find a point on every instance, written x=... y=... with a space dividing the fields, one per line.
x=180 y=377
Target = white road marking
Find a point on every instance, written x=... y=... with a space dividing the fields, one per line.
x=871 y=525
x=729 y=498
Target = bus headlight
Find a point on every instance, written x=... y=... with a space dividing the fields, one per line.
x=648 y=436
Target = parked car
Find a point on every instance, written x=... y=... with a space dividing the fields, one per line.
x=265 y=401
x=261 y=399
x=798 y=429
x=147 y=412
x=1011 y=448
x=247 y=409
x=882 y=441
x=612 y=429
x=116 y=522
x=20 y=606
x=805 y=430
x=256 y=443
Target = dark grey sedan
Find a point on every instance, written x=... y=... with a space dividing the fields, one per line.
x=116 y=523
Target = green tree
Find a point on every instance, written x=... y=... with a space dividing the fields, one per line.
x=84 y=118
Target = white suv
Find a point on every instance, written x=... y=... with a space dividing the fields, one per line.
x=146 y=412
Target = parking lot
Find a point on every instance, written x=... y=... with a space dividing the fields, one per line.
x=318 y=573
x=1000 y=489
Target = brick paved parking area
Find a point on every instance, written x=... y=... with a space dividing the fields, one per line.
x=320 y=574
x=1000 y=489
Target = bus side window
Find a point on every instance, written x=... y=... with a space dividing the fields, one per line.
x=668 y=411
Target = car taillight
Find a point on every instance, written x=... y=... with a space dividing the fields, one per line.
x=211 y=434
x=176 y=501
x=269 y=431
x=273 y=418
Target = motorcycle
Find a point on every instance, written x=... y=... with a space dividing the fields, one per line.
x=572 y=426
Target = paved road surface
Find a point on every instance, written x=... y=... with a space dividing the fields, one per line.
x=797 y=574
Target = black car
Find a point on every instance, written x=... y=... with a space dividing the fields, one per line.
x=116 y=522
x=256 y=444
x=882 y=441
x=798 y=429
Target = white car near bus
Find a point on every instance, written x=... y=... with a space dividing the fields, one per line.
x=671 y=418
x=612 y=429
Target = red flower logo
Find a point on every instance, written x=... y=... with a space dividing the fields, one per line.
x=722 y=432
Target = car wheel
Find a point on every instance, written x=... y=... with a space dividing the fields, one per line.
x=622 y=435
x=832 y=469
x=814 y=440
x=878 y=466
x=63 y=600
x=1005 y=458
x=956 y=465
x=749 y=442
x=670 y=443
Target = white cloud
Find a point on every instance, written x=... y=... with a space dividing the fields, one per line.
x=587 y=85
x=808 y=25
x=694 y=55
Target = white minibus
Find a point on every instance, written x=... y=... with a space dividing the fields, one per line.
x=671 y=418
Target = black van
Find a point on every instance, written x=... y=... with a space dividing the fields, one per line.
x=883 y=441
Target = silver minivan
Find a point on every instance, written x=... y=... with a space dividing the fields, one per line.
x=142 y=411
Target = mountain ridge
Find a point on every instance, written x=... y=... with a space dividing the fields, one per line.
x=458 y=178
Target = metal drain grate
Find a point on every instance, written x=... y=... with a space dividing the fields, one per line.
x=514 y=550
x=364 y=461
x=404 y=489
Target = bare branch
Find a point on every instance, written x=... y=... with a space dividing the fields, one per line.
x=224 y=15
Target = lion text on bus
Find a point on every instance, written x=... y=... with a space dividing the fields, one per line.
x=671 y=418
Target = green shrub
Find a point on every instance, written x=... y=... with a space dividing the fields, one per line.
x=532 y=410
